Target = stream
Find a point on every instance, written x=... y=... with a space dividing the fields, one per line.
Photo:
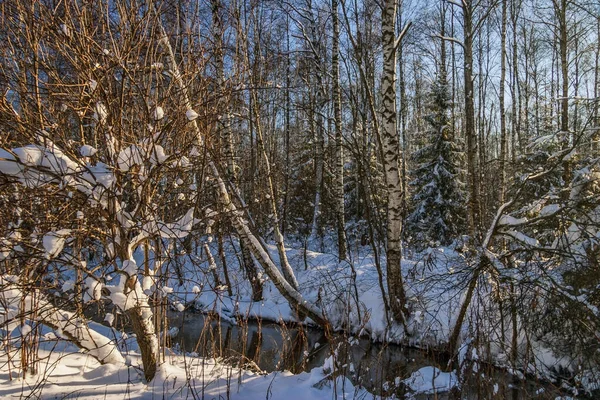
x=269 y=346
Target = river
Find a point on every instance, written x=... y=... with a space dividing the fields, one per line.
x=380 y=368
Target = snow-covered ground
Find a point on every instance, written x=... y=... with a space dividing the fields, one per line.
x=67 y=373
x=435 y=292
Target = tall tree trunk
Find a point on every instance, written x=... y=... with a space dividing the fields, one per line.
x=596 y=111
x=339 y=150
x=286 y=184
x=471 y=136
x=403 y=115
x=516 y=112
x=141 y=317
x=503 y=137
x=391 y=149
x=560 y=7
x=320 y=101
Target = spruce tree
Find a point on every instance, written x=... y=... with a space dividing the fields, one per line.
x=439 y=201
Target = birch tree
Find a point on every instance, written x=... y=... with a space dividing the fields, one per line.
x=391 y=151
x=339 y=149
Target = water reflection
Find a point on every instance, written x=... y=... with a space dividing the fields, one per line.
x=378 y=367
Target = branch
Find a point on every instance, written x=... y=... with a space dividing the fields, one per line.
x=455 y=3
x=402 y=34
x=450 y=39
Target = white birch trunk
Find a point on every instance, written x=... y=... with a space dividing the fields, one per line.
x=339 y=150
x=391 y=150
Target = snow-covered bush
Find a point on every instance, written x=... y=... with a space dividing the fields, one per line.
x=96 y=159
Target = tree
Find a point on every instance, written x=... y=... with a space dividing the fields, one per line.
x=339 y=150
x=391 y=150
x=438 y=200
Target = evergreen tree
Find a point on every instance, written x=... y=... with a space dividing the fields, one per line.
x=439 y=201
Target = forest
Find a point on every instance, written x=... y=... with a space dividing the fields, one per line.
x=418 y=181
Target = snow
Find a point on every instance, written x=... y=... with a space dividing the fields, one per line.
x=65 y=30
x=126 y=299
x=87 y=151
x=129 y=157
x=68 y=285
x=511 y=221
x=93 y=289
x=178 y=229
x=191 y=115
x=65 y=322
x=25 y=329
x=68 y=373
x=100 y=112
x=521 y=237
x=430 y=380
x=137 y=154
x=148 y=283
x=130 y=267
x=54 y=242
x=109 y=318
x=549 y=210
x=159 y=113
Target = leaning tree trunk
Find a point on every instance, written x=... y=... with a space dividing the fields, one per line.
x=226 y=139
x=35 y=305
x=391 y=149
x=294 y=298
x=286 y=268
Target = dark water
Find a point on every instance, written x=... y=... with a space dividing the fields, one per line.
x=378 y=367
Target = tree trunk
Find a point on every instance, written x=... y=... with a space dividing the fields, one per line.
x=471 y=136
x=560 y=7
x=391 y=149
x=339 y=150
x=320 y=100
x=75 y=328
x=286 y=268
x=248 y=261
x=516 y=112
x=503 y=138
x=596 y=120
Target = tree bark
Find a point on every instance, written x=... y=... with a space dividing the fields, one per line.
x=503 y=138
x=391 y=150
x=560 y=8
x=470 y=134
x=339 y=150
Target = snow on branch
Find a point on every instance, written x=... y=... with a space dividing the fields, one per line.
x=14 y=303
